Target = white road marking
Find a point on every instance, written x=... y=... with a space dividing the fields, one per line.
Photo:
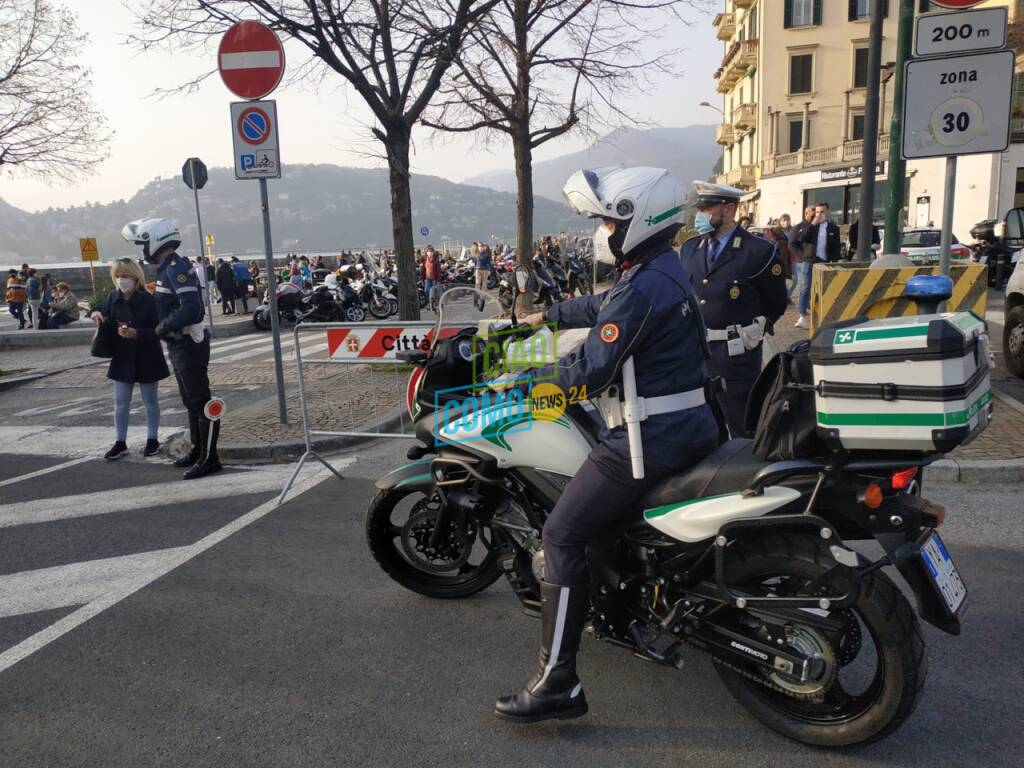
x=61 y=586
x=142 y=496
x=41 y=472
x=52 y=440
x=182 y=555
x=237 y=343
x=48 y=408
x=308 y=352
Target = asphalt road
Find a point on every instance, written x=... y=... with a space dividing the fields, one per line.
x=216 y=630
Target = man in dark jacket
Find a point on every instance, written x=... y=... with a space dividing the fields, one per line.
x=876 y=238
x=820 y=244
x=226 y=286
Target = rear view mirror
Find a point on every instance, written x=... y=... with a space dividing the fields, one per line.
x=1014 y=237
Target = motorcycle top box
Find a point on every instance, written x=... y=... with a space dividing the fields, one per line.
x=917 y=383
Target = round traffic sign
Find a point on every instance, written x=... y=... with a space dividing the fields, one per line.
x=424 y=231
x=956 y=121
x=957 y=5
x=253 y=126
x=250 y=59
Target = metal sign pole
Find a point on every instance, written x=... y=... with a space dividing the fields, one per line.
x=866 y=216
x=202 y=261
x=946 y=241
x=275 y=326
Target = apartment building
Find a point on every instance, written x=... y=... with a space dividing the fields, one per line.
x=793 y=81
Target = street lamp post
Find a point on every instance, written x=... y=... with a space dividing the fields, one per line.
x=870 y=152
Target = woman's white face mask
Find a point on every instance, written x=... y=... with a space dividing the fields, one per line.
x=126 y=284
x=602 y=248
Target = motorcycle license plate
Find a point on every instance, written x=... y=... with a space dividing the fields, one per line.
x=943 y=573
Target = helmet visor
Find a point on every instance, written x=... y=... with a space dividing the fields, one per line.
x=583 y=194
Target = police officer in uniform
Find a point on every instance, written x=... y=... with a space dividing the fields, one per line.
x=180 y=310
x=650 y=315
x=741 y=289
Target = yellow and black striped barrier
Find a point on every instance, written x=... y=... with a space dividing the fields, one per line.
x=844 y=292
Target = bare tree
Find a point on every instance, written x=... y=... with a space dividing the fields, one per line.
x=534 y=70
x=48 y=124
x=393 y=53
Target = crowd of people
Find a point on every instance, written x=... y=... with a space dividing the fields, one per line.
x=34 y=303
x=816 y=239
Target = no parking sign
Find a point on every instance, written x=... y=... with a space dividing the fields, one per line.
x=254 y=135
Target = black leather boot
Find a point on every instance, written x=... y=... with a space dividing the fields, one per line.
x=554 y=691
x=193 y=436
x=208 y=460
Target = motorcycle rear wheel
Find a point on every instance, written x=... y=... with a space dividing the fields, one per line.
x=384 y=537
x=355 y=313
x=886 y=627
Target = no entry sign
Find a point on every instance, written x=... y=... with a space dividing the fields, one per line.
x=250 y=60
x=957 y=5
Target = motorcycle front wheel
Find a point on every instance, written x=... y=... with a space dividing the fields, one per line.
x=380 y=308
x=869 y=676
x=261 y=318
x=355 y=313
x=399 y=532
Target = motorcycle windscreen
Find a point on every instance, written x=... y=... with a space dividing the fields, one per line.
x=465 y=307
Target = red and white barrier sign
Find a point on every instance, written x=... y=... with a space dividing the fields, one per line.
x=374 y=342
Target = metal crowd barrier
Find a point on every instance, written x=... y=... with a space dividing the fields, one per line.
x=352 y=344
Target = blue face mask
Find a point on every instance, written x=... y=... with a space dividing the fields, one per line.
x=702 y=223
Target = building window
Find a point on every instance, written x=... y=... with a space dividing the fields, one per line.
x=857 y=127
x=1018 y=197
x=802 y=13
x=796 y=134
x=860 y=10
x=801 y=68
x=860 y=67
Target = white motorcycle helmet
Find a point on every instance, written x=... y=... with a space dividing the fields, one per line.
x=647 y=202
x=153 y=235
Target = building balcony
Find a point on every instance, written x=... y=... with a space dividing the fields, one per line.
x=742 y=176
x=744 y=57
x=725 y=135
x=744 y=117
x=837 y=155
x=743 y=3
x=725 y=26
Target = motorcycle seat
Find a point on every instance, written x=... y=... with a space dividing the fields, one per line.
x=728 y=469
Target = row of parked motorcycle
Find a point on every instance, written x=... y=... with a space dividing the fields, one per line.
x=356 y=290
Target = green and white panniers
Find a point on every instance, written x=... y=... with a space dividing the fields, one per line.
x=918 y=383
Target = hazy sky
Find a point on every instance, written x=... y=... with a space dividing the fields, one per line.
x=153 y=137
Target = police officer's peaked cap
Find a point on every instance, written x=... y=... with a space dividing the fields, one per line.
x=716 y=194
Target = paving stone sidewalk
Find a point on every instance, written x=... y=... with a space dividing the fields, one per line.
x=1004 y=438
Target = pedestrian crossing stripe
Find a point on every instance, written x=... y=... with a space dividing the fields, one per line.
x=842 y=293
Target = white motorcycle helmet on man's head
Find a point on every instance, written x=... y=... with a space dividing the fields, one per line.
x=646 y=203
x=153 y=235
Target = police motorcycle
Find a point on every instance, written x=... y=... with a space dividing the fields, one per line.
x=744 y=560
x=371 y=291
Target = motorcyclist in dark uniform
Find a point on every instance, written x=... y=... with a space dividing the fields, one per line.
x=180 y=310
x=651 y=317
x=741 y=287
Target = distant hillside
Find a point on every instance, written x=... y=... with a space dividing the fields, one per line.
x=689 y=152
x=313 y=208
